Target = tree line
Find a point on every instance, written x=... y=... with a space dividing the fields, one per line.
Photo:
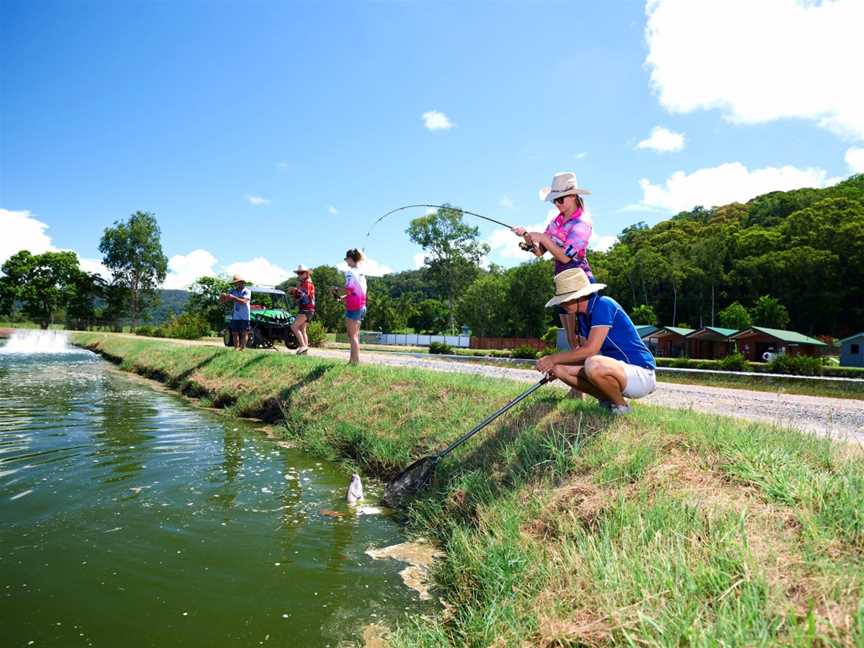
x=785 y=259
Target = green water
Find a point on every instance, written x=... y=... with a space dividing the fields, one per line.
x=129 y=518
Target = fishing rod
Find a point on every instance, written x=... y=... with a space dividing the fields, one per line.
x=523 y=244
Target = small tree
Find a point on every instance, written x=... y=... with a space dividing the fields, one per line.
x=769 y=312
x=454 y=251
x=133 y=253
x=734 y=316
x=204 y=301
x=483 y=306
x=644 y=314
x=43 y=284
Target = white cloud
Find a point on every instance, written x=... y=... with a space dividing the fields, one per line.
x=22 y=231
x=731 y=182
x=283 y=165
x=184 y=270
x=259 y=271
x=506 y=202
x=785 y=59
x=332 y=210
x=370 y=267
x=257 y=200
x=434 y=120
x=855 y=159
x=662 y=140
x=419 y=260
x=580 y=156
x=95 y=266
x=601 y=242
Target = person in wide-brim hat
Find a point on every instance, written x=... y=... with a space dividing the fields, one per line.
x=613 y=362
x=566 y=237
x=239 y=325
x=304 y=293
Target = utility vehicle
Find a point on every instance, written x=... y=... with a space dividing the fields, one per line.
x=270 y=319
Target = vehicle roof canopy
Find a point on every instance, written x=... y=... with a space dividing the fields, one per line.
x=269 y=290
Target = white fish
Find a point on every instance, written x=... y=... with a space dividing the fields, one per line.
x=355 y=490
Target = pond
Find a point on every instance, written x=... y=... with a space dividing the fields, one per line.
x=130 y=517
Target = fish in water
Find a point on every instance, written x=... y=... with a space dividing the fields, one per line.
x=355 y=490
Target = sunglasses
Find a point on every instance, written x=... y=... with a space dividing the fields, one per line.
x=560 y=200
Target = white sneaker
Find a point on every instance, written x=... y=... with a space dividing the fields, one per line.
x=620 y=410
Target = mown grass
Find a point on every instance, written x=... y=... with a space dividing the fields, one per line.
x=564 y=527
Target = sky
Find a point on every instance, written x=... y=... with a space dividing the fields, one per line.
x=263 y=135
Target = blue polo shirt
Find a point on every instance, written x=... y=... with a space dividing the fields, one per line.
x=622 y=341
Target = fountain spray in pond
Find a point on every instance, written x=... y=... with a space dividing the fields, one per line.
x=35 y=341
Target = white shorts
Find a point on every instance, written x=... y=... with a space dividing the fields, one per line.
x=640 y=381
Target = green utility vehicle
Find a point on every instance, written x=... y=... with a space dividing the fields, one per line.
x=270 y=319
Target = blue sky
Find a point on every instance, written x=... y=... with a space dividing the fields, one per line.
x=267 y=134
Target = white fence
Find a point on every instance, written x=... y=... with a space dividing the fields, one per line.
x=414 y=339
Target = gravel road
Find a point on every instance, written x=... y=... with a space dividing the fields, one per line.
x=841 y=418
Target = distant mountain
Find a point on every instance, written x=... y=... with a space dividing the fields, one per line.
x=171 y=302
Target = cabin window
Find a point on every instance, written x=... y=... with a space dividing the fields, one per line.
x=855 y=349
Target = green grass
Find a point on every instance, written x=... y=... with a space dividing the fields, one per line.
x=563 y=526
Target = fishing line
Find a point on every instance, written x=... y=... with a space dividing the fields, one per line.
x=523 y=245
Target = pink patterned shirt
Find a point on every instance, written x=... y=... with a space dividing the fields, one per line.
x=571 y=234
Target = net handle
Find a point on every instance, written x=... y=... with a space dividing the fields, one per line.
x=482 y=424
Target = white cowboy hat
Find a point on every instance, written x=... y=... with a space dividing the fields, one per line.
x=572 y=284
x=301 y=268
x=563 y=184
x=238 y=279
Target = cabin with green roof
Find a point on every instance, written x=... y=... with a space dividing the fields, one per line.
x=711 y=343
x=669 y=341
x=756 y=341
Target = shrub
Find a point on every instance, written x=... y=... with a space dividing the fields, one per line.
x=734 y=362
x=524 y=351
x=146 y=329
x=799 y=365
x=187 y=326
x=441 y=348
x=550 y=337
x=316 y=333
x=681 y=363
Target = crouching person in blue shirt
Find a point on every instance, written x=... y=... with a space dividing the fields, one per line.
x=614 y=363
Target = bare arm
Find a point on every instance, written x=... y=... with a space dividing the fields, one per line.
x=545 y=242
x=592 y=347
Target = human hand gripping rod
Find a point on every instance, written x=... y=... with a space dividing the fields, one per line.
x=418 y=475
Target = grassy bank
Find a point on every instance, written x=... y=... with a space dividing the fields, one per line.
x=563 y=526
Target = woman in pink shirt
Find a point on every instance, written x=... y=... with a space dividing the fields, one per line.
x=355 y=301
x=566 y=237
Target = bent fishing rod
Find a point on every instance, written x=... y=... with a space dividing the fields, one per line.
x=523 y=244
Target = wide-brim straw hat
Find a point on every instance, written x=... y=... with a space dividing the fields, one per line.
x=238 y=279
x=563 y=184
x=301 y=268
x=572 y=284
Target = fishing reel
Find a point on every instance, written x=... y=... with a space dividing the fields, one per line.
x=527 y=247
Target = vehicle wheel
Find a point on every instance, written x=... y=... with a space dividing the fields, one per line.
x=290 y=340
x=227 y=339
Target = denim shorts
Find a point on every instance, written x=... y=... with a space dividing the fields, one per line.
x=356 y=315
x=238 y=326
x=309 y=314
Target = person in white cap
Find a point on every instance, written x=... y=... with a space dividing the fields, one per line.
x=304 y=293
x=613 y=363
x=239 y=324
x=566 y=237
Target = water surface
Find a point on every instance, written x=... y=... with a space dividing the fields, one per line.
x=131 y=518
